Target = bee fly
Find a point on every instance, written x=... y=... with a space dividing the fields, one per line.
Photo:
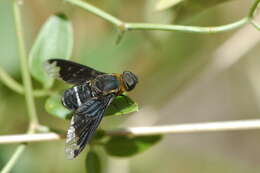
x=91 y=94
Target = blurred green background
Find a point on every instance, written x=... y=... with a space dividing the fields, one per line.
x=184 y=78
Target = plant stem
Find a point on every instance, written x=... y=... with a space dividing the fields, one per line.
x=145 y=131
x=124 y=26
x=25 y=70
x=27 y=87
x=251 y=14
x=193 y=29
x=98 y=12
x=38 y=137
x=19 y=150
x=189 y=128
x=42 y=93
x=256 y=25
x=253 y=9
x=12 y=84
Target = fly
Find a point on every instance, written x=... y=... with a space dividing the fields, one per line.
x=92 y=93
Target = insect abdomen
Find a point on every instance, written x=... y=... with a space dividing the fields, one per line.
x=76 y=96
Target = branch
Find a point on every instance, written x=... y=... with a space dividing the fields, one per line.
x=7 y=139
x=143 y=131
x=193 y=29
x=98 y=12
x=12 y=84
x=14 y=158
x=24 y=68
x=189 y=128
x=27 y=86
x=253 y=9
x=124 y=26
x=252 y=12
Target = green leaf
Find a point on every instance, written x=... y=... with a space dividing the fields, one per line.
x=55 y=40
x=164 y=4
x=125 y=146
x=93 y=162
x=99 y=134
x=121 y=105
x=54 y=107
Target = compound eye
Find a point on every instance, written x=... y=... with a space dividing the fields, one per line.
x=130 y=80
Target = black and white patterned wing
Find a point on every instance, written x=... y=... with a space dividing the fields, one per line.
x=84 y=123
x=69 y=71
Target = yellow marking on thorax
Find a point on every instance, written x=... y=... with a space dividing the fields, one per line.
x=122 y=88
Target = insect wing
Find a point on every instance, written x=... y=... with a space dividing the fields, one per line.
x=69 y=71
x=84 y=123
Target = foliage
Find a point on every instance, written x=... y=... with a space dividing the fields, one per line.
x=125 y=146
x=58 y=28
x=55 y=40
x=93 y=162
x=54 y=107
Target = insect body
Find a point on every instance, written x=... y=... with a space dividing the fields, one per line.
x=91 y=94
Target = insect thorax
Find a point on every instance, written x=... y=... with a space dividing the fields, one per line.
x=106 y=84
